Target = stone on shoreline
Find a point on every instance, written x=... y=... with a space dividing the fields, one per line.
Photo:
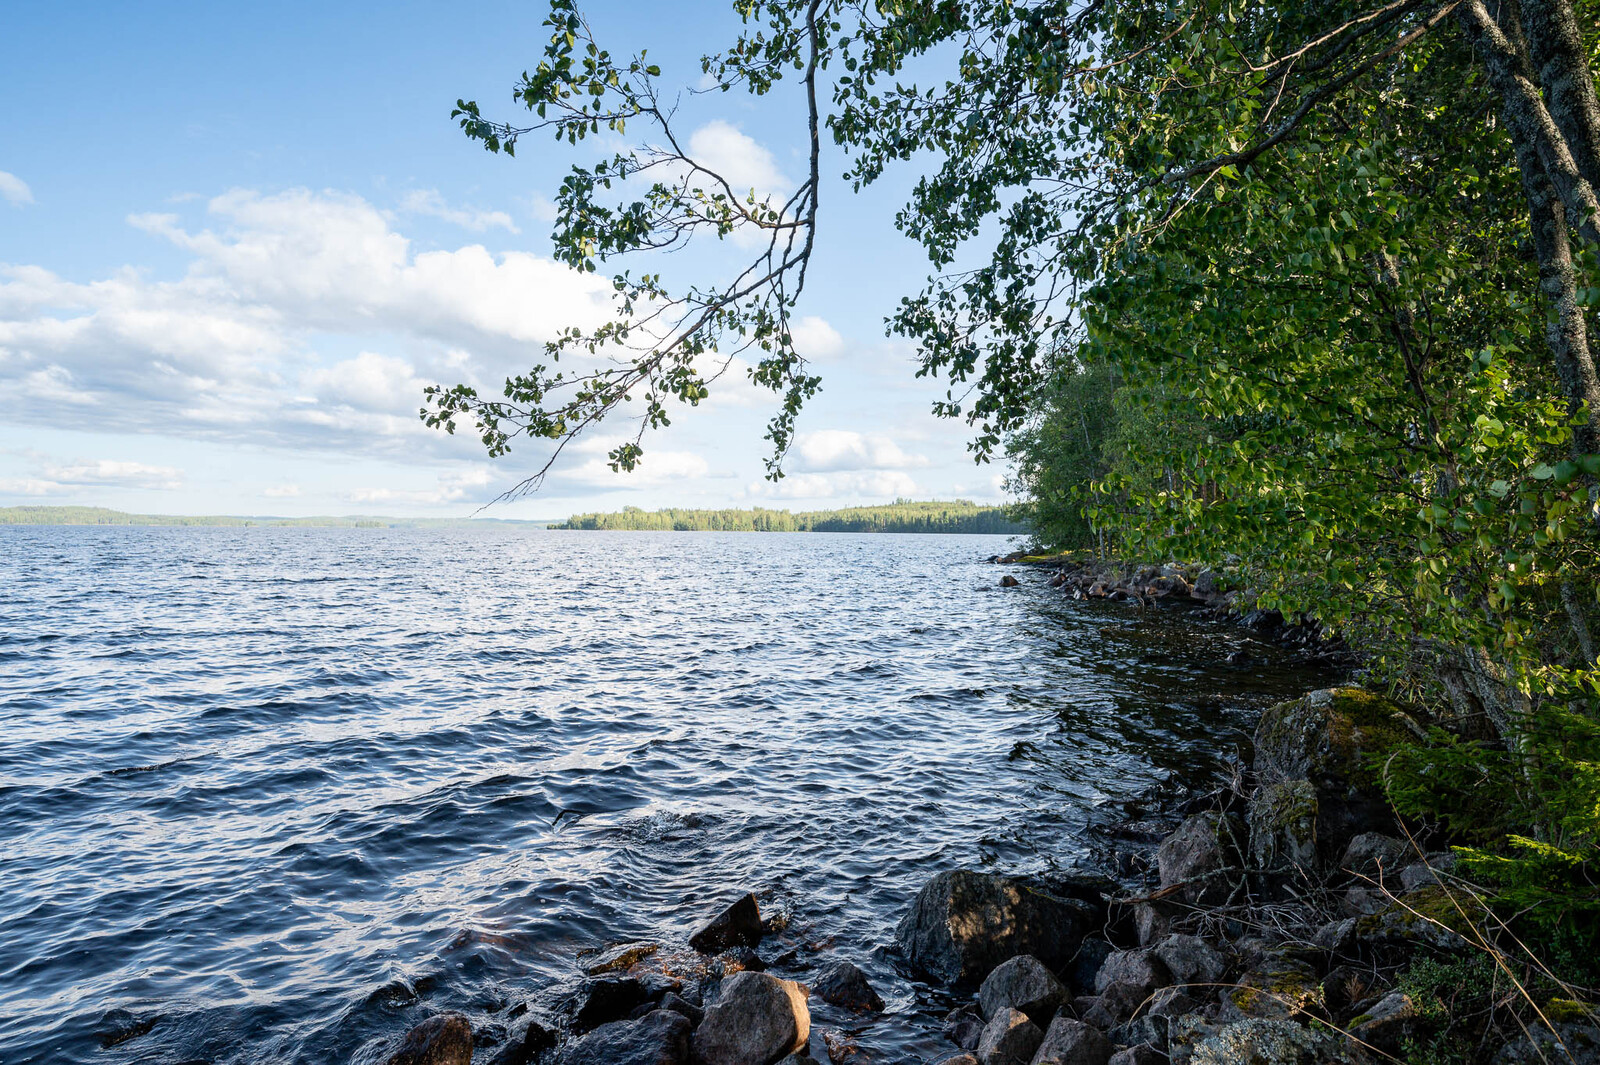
x=1267 y=1042
x=843 y=984
x=1022 y=983
x=758 y=1019
x=1070 y=1042
x=1283 y=826
x=524 y=1044
x=1009 y=1039
x=737 y=926
x=1138 y=970
x=608 y=999
x=620 y=957
x=1191 y=960
x=660 y=1037
x=963 y=924
x=1204 y=856
x=444 y=1039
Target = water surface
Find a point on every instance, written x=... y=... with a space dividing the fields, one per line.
x=272 y=795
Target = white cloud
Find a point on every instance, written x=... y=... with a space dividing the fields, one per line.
x=281 y=491
x=429 y=202
x=453 y=486
x=112 y=473
x=814 y=338
x=14 y=190
x=30 y=486
x=233 y=349
x=866 y=485
x=826 y=450
x=742 y=161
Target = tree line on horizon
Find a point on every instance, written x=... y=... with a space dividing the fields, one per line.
x=902 y=516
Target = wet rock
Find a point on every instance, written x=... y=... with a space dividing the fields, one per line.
x=1008 y=581
x=1204 y=855
x=757 y=1020
x=657 y=984
x=1568 y=1044
x=738 y=960
x=1022 y=983
x=843 y=984
x=737 y=926
x=1278 y=988
x=661 y=1037
x=672 y=1002
x=524 y=1044
x=445 y=1039
x=1325 y=738
x=964 y=1026
x=963 y=924
x=1191 y=960
x=1139 y=970
x=1268 y=1042
x=608 y=999
x=1373 y=853
x=1009 y=1039
x=1070 y=1042
x=620 y=957
x=1283 y=826
x=1389 y=1024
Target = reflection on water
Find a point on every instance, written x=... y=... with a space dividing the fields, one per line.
x=275 y=794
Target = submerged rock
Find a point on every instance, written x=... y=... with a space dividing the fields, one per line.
x=843 y=984
x=660 y=1037
x=737 y=926
x=963 y=924
x=1022 y=983
x=757 y=1020
x=445 y=1039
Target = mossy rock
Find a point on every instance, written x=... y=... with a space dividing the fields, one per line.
x=1280 y=987
x=1283 y=826
x=1427 y=917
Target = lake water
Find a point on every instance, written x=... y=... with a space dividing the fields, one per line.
x=274 y=795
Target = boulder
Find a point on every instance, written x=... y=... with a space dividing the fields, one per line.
x=963 y=924
x=1279 y=987
x=1172 y=1002
x=1283 y=826
x=843 y=984
x=1151 y=922
x=1387 y=1025
x=757 y=1020
x=1426 y=917
x=671 y=1001
x=1326 y=738
x=1428 y=872
x=1571 y=1043
x=1268 y=1042
x=1373 y=854
x=1139 y=970
x=1191 y=960
x=620 y=957
x=1143 y=1054
x=964 y=1025
x=1070 y=1042
x=1022 y=983
x=1204 y=856
x=1008 y=581
x=524 y=1044
x=444 y=1039
x=660 y=1037
x=1009 y=1039
x=737 y=926
x=608 y=999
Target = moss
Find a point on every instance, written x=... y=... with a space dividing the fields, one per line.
x=1569 y=1011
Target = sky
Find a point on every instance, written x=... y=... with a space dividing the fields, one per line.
x=236 y=242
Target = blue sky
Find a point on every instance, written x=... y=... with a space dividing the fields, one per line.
x=237 y=240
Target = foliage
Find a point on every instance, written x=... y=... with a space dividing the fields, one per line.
x=902 y=516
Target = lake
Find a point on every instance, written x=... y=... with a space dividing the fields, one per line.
x=276 y=794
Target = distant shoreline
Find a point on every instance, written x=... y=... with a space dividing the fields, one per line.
x=901 y=516
x=105 y=516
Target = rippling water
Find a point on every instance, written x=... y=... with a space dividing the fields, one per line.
x=272 y=795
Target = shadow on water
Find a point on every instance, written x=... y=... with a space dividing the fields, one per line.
x=277 y=794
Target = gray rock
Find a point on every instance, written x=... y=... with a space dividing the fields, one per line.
x=1388 y=1024
x=1569 y=1044
x=1143 y=1030
x=1204 y=855
x=964 y=1025
x=1070 y=1042
x=445 y=1039
x=620 y=957
x=960 y=1059
x=845 y=985
x=1427 y=872
x=1426 y=916
x=963 y=924
x=1115 y=1004
x=1205 y=585
x=1143 y=1054
x=660 y=1037
x=672 y=1002
x=737 y=926
x=1373 y=853
x=1268 y=1042
x=1336 y=936
x=1283 y=826
x=1191 y=960
x=1009 y=1039
x=1279 y=987
x=1140 y=970
x=1172 y=1002
x=1150 y=923
x=757 y=1020
x=738 y=960
x=1092 y=953
x=1025 y=984
x=608 y=999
